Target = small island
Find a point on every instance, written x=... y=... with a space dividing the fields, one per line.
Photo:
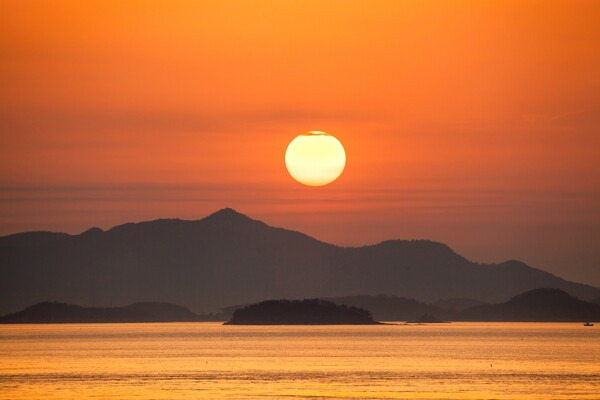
x=301 y=312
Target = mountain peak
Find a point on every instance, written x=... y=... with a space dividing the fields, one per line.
x=227 y=211
x=228 y=214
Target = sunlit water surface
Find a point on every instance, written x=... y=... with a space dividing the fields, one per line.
x=209 y=360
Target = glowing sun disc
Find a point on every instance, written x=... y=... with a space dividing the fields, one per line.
x=315 y=158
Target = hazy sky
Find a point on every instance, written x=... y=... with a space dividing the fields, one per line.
x=472 y=123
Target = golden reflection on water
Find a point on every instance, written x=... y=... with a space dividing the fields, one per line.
x=212 y=361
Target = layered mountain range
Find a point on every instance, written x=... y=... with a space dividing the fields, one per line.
x=228 y=258
x=537 y=305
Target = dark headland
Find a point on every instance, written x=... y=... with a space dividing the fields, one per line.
x=301 y=312
x=55 y=313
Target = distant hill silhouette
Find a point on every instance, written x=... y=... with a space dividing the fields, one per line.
x=228 y=258
x=300 y=312
x=53 y=312
x=535 y=305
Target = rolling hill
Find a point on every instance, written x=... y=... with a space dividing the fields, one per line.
x=535 y=305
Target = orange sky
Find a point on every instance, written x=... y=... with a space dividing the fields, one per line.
x=469 y=122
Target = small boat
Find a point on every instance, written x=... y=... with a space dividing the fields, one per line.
x=588 y=324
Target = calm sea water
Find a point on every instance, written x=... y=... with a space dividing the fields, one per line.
x=212 y=361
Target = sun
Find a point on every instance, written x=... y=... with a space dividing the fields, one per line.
x=315 y=158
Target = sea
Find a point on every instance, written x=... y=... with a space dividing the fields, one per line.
x=214 y=361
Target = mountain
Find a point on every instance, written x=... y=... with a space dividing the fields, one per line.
x=228 y=258
x=53 y=312
x=535 y=305
x=300 y=312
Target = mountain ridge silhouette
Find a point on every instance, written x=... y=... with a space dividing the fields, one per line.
x=229 y=258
